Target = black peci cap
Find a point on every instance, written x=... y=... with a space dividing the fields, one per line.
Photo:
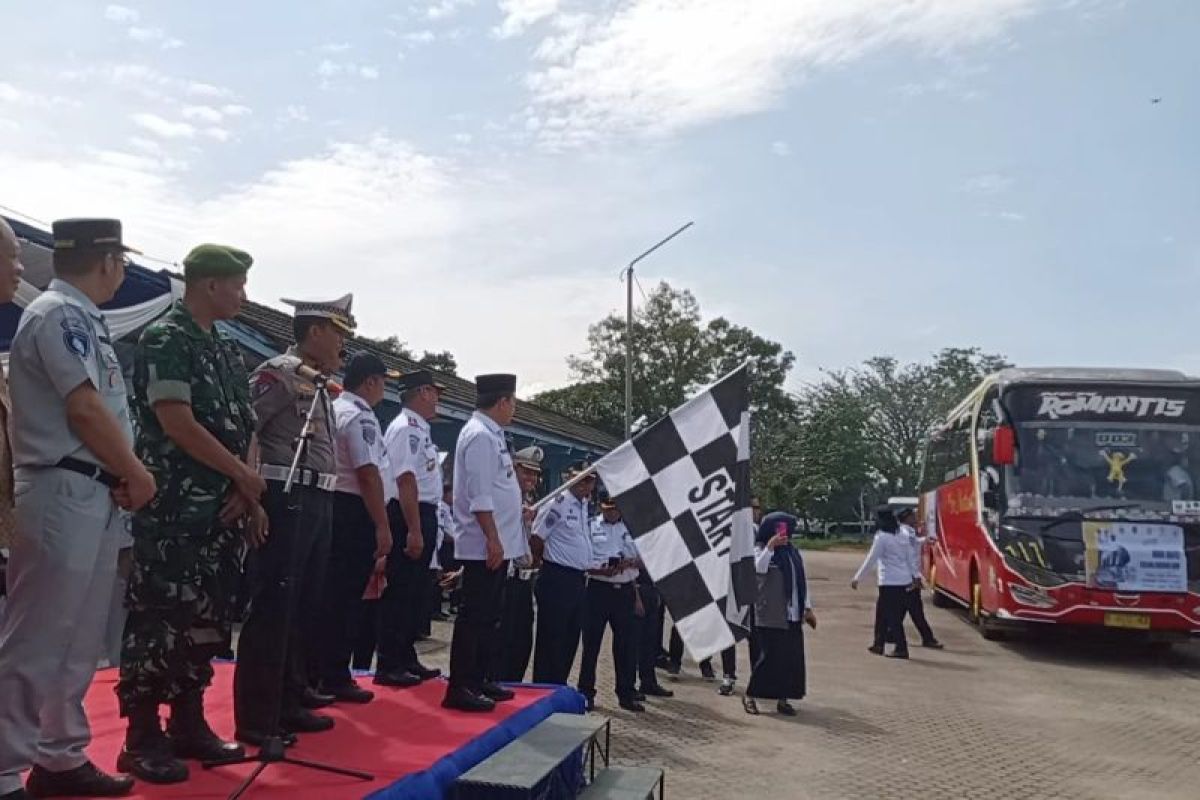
x=85 y=234
x=365 y=365
x=496 y=384
x=415 y=380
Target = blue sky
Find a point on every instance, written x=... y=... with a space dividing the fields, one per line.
x=866 y=176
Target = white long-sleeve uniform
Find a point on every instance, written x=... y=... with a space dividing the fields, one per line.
x=893 y=552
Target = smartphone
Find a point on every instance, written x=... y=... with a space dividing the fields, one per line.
x=614 y=561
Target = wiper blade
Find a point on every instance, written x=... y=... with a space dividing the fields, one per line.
x=1075 y=514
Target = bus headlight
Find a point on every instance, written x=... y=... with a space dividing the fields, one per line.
x=1028 y=596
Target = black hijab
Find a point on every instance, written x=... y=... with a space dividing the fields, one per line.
x=785 y=556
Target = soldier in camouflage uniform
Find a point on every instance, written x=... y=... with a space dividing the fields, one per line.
x=195 y=431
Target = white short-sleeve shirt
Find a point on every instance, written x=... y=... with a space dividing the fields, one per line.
x=359 y=443
x=612 y=540
x=485 y=480
x=410 y=449
x=564 y=526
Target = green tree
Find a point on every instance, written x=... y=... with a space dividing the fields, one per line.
x=443 y=362
x=392 y=345
x=592 y=403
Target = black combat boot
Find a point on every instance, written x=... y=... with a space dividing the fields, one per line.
x=147 y=752
x=190 y=735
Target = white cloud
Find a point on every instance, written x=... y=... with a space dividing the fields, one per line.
x=446 y=8
x=235 y=110
x=988 y=183
x=520 y=14
x=781 y=148
x=217 y=134
x=656 y=67
x=333 y=48
x=463 y=138
x=200 y=89
x=20 y=97
x=202 y=113
x=295 y=113
x=121 y=14
x=1011 y=216
x=163 y=127
x=329 y=69
x=419 y=37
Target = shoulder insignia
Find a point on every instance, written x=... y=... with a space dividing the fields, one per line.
x=412 y=422
x=368 y=431
x=77 y=340
x=414 y=443
x=263 y=382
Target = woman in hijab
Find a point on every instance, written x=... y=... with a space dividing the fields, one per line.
x=782 y=604
x=897 y=575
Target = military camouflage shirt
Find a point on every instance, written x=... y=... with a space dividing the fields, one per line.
x=176 y=360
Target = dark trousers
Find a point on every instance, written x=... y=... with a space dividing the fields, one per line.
x=516 y=630
x=477 y=626
x=889 y=617
x=915 y=608
x=609 y=605
x=402 y=606
x=279 y=633
x=351 y=560
x=649 y=635
x=561 y=596
x=365 y=635
x=728 y=656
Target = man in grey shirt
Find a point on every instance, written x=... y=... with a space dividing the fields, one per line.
x=76 y=474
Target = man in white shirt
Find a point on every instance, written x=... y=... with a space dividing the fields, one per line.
x=516 y=626
x=413 y=517
x=893 y=554
x=362 y=536
x=612 y=601
x=562 y=541
x=487 y=508
x=914 y=607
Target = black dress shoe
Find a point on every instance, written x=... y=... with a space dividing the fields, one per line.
x=786 y=708
x=153 y=765
x=350 y=693
x=877 y=649
x=495 y=692
x=629 y=704
x=460 y=699
x=305 y=722
x=425 y=673
x=400 y=678
x=656 y=691
x=933 y=644
x=83 y=781
x=312 y=699
x=901 y=654
x=256 y=738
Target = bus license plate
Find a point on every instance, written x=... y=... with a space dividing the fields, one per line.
x=1140 y=622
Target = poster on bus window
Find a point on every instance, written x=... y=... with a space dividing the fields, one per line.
x=1134 y=557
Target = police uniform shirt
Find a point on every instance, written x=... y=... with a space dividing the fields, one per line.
x=484 y=480
x=410 y=449
x=281 y=401
x=916 y=544
x=565 y=528
x=62 y=341
x=359 y=443
x=612 y=540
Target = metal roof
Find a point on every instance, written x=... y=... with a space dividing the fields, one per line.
x=1018 y=375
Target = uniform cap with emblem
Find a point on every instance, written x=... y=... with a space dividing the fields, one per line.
x=88 y=235
x=415 y=380
x=578 y=468
x=216 y=261
x=336 y=311
x=365 y=365
x=608 y=504
x=530 y=458
x=496 y=384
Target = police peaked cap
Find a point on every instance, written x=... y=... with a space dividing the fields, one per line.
x=86 y=234
x=336 y=311
x=415 y=380
x=365 y=365
x=216 y=261
x=529 y=458
x=496 y=384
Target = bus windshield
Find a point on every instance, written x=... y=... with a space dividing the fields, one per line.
x=1080 y=449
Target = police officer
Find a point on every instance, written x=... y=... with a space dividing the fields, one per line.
x=75 y=471
x=487 y=508
x=413 y=516
x=195 y=426
x=516 y=624
x=362 y=537
x=612 y=601
x=562 y=541
x=10 y=278
x=289 y=568
x=914 y=607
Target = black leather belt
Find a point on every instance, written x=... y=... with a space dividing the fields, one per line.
x=553 y=566
x=90 y=470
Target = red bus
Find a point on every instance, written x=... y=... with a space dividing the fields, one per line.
x=1068 y=496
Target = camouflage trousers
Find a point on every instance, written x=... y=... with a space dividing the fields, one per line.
x=181 y=600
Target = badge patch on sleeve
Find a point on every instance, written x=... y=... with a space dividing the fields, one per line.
x=414 y=444
x=76 y=337
x=263 y=383
x=368 y=432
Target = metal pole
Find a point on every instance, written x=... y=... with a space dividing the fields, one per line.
x=629 y=329
x=629 y=352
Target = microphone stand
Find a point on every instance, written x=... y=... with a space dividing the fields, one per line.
x=272 y=750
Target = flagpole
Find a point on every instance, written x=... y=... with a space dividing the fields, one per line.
x=565 y=487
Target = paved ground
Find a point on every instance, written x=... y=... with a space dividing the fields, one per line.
x=1025 y=719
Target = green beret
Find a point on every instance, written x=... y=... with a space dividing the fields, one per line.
x=216 y=261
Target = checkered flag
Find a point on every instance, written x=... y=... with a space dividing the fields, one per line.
x=683 y=489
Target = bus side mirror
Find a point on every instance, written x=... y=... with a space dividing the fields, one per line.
x=1004 y=446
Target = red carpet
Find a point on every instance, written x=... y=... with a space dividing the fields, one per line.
x=403 y=731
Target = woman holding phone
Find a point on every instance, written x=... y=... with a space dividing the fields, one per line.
x=781 y=610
